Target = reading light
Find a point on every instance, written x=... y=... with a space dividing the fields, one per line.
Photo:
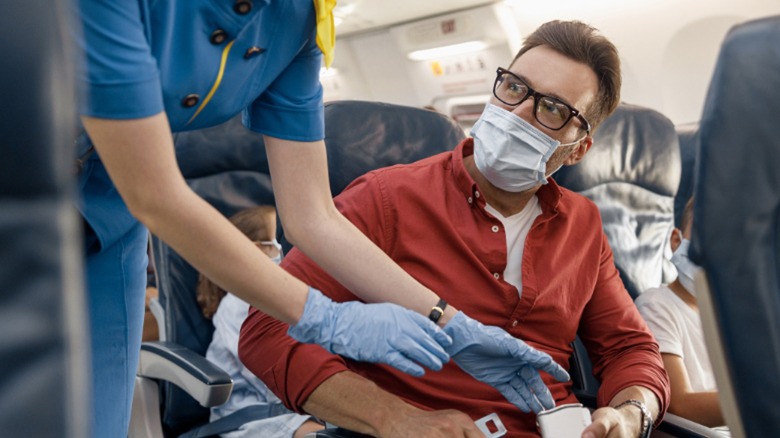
x=440 y=52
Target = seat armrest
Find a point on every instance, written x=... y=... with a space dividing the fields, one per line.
x=335 y=432
x=159 y=315
x=676 y=426
x=585 y=386
x=208 y=384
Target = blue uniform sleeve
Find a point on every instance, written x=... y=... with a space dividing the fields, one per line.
x=118 y=77
x=291 y=108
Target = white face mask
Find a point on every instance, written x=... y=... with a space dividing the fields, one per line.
x=685 y=267
x=278 y=246
x=510 y=152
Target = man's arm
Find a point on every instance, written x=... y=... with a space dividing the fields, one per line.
x=623 y=350
x=355 y=403
x=701 y=407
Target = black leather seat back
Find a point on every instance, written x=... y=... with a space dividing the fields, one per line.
x=363 y=136
x=632 y=173
x=226 y=165
x=689 y=145
x=736 y=234
x=44 y=366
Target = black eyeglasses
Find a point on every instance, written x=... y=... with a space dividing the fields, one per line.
x=551 y=112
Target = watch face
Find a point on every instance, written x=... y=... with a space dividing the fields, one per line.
x=437 y=311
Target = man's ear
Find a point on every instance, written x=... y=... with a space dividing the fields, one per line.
x=579 y=151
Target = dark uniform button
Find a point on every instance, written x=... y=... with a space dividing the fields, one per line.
x=253 y=51
x=218 y=37
x=190 y=101
x=242 y=7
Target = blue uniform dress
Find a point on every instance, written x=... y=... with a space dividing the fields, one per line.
x=202 y=62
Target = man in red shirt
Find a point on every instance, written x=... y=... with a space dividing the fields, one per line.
x=504 y=243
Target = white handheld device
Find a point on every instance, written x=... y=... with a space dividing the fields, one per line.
x=564 y=421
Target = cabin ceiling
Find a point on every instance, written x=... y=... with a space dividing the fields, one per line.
x=365 y=15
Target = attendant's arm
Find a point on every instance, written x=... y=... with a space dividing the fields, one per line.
x=140 y=159
x=701 y=407
x=299 y=173
x=355 y=403
x=625 y=421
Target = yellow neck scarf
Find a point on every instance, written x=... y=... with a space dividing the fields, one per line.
x=326 y=28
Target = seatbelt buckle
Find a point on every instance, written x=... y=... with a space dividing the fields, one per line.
x=498 y=426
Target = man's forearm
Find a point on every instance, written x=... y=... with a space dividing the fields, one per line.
x=352 y=402
x=355 y=403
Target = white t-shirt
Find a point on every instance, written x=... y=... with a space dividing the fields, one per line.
x=516 y=228
x=248 y=390
x=678 y=330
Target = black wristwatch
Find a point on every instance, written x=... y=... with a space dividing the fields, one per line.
x=437 y=311
x=647 y=419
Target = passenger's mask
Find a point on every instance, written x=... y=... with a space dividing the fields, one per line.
x=510 y=152
x=685 y=267
x=277 y=245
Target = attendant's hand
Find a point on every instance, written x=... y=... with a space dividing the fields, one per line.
x=431 y=424
x=493 y=356
x=625 y=422
x=383 y=333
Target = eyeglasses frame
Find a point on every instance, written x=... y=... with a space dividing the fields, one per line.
x=573 y=112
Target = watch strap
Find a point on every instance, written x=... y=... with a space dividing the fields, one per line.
x=647 y=419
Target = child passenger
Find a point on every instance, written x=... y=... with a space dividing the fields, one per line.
x=228 y=313
x=672 y=313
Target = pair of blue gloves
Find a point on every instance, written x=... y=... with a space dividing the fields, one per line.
x=388 y=333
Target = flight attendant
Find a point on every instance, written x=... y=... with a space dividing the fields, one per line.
x=156 y=67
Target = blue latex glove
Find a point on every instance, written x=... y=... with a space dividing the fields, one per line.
x=385 y=333
x=493 y=356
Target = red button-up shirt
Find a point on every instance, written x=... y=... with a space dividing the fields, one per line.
x=430 y=218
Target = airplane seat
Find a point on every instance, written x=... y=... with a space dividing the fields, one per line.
x=227 y=166
x=363 y=136
x=625 y=175
x=632 y=173
x=175 y=384
x=688 y=135
x=44 y=342
x=736 y=232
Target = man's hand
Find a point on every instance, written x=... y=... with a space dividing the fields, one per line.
x=357 y=404
x=609 y=422
x=435 y=424
x=493 y=356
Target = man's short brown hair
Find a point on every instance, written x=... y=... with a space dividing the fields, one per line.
x=583 y=43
